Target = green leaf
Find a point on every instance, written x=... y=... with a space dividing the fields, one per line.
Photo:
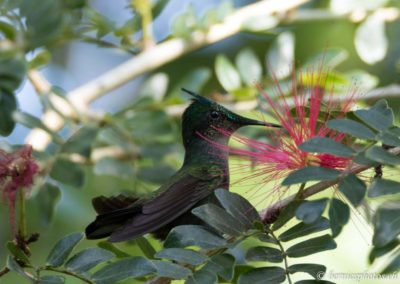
x=68 y=172
x=123 y=269
x=202 y=277
x=249 y=66
x=380 y=187
x=145 y=246
x=262 y=275
x=87 y=259
x=380 y=251
x=239 y=207
x=339 y=215
x=313 y=282
x=113 y=167
x=182 y=255
x=40 y=60
x=46 y=199
x=63 y=249
x=17 y=252
x=302 y=229
x=315 y=270
x=393 y=267
x=353 y=188
x=192 y=235
x=351 y=127
x=286 y=214
x=81 y=141
x=52 y=279
x=389 y=138
x=326 y=145
x=370 y=40
x=382 y=156
x=227 y=74
x=171 y=270
x=14 y=266
x=112 y=248
x=260 y=253
x=310 y=174
x=311 y=246
x=386 y=224
x=219 y=219
x=280 y=56
x=7 y=30
x=31 y=121
x=311 y=211
x=379 y=117
x=221 y=264
x=12 y=73
x=8 y=105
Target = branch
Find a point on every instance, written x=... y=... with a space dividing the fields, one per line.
x=155 y=57
x=268 y=215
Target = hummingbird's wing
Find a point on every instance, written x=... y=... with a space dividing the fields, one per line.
x=190 y=186
x=102 y=204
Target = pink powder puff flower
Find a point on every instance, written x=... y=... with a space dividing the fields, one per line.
x=17 y=171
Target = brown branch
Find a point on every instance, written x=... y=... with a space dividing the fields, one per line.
x=4 y=271
x=269 y=214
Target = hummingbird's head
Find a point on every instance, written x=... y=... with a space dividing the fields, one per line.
x=206 y=117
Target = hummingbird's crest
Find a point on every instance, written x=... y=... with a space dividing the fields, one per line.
x=197 y=97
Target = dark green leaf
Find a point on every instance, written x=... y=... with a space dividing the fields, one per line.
x=249 y=66
x=52 y=279
x=63 y=249
x=379 y=117
x=219 y=219
x=311 y=211
x=239 y=207
x=192 y=235
x=145 y=246
x=380 y=251
x=326 y=145
x=202 y=277
x=339 y=215
x=68 y=172
x=382 y=156
x=386 y=224
x=310 y=174
x=263 y=275
x=182 y=255
x=87 y=259
x=393 y=267
x=314 y=282
x=311 y=246
x=226 y=73
x=171 y=270
x=113 y=167
x=286 y=214
x=14 y=266
x=353 y=188
x=380 y=187
x=8 y=105
x=12 y=73
x=112 y=248
x=351 y=127
x=17 y=252
x=259 y=253
x=303 y=229
x=389 y=138
x=123 y=269
x=81 y=141
x=315 y=270
x=221 y=264
x=47 y=199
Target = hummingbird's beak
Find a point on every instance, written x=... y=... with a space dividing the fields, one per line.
x=248 y=121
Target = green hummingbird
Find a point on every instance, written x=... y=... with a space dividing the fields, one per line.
x=205 y=168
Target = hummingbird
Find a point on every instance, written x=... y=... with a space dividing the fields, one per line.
x=205 y=168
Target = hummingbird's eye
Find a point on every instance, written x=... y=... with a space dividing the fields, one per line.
x=214 y=114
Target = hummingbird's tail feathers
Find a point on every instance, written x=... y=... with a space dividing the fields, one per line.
x=104 y=204
x=106 y=223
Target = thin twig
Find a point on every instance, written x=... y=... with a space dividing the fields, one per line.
x=272 y=211
x=4 y=271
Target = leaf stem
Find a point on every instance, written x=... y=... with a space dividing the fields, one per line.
x=285 y=260
x=67 y=272
x=22 y=215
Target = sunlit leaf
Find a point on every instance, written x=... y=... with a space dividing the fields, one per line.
x=249 y=66
x=280 y=56
x=226 y=73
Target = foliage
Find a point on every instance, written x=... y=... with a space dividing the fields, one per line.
x=137 y=148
